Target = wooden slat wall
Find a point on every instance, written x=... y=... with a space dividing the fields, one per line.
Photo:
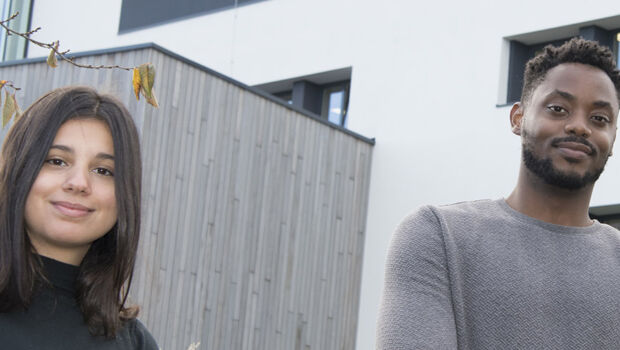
x=253 y=217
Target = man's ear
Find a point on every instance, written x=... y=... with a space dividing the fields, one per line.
x=516 y=117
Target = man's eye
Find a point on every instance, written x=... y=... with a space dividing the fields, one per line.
x=600 y=118
x=556 y=109
x=103 y=171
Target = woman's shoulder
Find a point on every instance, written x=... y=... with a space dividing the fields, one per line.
x=140 y=337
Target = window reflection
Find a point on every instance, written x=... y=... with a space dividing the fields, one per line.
x=617 y=50
x=336 y=107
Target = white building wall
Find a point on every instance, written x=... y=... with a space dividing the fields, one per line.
x=425 y=83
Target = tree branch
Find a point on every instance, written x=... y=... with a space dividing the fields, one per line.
x=53 y=46
x=142 y=81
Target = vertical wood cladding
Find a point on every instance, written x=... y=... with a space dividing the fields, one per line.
x=253 y=213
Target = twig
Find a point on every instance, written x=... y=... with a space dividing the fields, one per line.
x=53 y=46
x=143 y=75
x=9 y=84
x=10 y=18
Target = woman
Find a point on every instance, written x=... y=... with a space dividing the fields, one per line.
x=70 y=177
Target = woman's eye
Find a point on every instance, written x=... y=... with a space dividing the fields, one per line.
x=55 y=161
x=103 y=171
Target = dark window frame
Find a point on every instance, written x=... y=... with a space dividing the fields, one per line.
x=300 y=97
x=520 y=53
x=286 y=96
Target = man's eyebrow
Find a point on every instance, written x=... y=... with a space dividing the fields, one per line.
x=601 y=104
x=564 y=94
x=571 y=97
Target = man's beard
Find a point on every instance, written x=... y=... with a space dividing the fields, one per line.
x=543 y=168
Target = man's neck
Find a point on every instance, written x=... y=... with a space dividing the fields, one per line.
x=534 y=198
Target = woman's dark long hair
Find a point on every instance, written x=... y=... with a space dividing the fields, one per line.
x=106 y=271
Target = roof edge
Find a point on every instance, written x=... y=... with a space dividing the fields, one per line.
x=197 y=65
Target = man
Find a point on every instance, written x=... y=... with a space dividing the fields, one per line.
x=531 y=271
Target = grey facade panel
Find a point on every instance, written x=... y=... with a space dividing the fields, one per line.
x=137 y=14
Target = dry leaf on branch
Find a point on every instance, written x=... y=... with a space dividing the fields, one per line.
x=147 y=80
x=152 y=100
x=142 y=81
x=51 y=58
x=194 y=346
x=136 y=83
x=8 y=110
x=18 y=111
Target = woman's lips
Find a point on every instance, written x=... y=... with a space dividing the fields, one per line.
x=73 y=210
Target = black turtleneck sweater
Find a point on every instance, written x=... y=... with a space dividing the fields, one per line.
x=54 y=320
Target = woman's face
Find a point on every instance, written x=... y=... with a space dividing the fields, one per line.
x=72 y=201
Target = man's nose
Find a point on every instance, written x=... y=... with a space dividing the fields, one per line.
x=578 y=126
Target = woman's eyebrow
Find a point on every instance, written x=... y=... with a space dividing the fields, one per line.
x=100 y=155
x=103 y=155
x=62 y=148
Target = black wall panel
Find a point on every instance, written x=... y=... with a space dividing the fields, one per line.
x=143 y=13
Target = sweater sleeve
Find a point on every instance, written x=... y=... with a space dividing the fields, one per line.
x=416 y=307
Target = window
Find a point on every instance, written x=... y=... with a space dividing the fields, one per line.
x=14 y=47
x=286 y=96
x=616 y=48
x=324 y=94
x=519 y=55
x=608 y=214
x=134 y=16
x=335 y=102
x=525 y=46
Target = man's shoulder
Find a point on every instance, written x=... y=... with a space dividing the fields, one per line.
x=607 y=229
x=483 y=205
x=476 y=209
x=464 y=207
x=467 y=213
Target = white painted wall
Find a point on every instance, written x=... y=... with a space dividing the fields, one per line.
x=426 y=79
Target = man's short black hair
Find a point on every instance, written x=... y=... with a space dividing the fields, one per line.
x=576 y=50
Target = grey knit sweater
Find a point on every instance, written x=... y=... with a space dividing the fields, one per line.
x=480 y=275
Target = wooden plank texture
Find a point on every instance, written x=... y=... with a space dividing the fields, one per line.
x=253 y=216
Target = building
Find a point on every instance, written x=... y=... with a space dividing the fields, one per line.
x=432 y=82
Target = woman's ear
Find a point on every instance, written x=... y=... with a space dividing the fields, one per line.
x=516 y=117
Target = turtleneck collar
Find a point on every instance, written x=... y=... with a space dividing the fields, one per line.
x=61 y=275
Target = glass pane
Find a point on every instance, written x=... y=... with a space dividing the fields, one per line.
x=287 y=96
x=336 y=107
x=14 y=47
x=618 y=49
x=5 y=14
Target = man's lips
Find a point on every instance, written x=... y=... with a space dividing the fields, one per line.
x=72 y=209
x=575 y=147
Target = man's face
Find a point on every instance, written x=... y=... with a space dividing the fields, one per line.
x=569 y=125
